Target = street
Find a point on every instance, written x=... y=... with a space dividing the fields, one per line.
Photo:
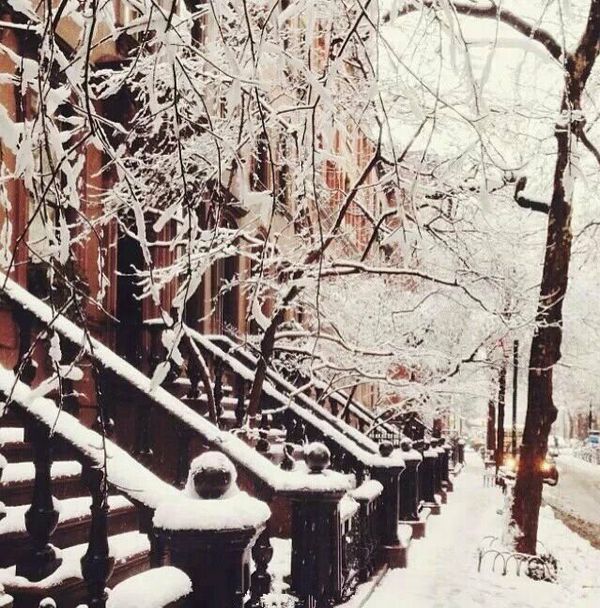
x=576 y=497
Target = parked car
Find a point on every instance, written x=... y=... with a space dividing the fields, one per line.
x=593 y=438
x=548 y=469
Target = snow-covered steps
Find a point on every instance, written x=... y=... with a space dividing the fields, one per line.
x=15 y=449
x=11 y=435
x=17 y=481
x=131 y=551
x=12 y=444
x=73 y=525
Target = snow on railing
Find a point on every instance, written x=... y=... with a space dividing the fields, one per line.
x=326 y=422
x=123 y=471
x=241 y=453
x=356 y=407
x=359 y=437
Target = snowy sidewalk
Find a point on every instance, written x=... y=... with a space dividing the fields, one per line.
x=442 y=568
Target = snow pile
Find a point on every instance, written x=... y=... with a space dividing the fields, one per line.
x=235 y=512
x=168 y=584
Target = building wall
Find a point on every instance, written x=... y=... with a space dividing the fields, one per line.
x=96 y=253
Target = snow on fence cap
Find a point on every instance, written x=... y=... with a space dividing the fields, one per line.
x=211 y=500
x=368 y=490
x=235 y=512
x=133 y=592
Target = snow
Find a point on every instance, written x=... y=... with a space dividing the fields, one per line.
x=121 y=547
x=214 y=461
x=412 y=456
x=173 y=584
x=582 y=465
x=281 y=563
x=405 y=534
x=5 y=599
x=368 y=490
x=25 y=471
x=11 y=435
x=237 y=512
x=124 y=472
x=442 y=568
x=352 y=441
x=68 y=508
x=348 y=507
x=360 y=438
x=242 y=454
x=577 y=493
x=234 y=510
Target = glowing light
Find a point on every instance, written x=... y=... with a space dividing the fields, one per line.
x=546 y=467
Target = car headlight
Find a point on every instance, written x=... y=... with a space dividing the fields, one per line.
x=546 y=467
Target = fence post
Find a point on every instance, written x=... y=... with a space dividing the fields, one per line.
x=427 y=479
x=389 y=476
x=409 y=489
x=461 y=451
x=369 y=534
x=446 y=480
x=316 y=538
x=208 y=533
x=436 y=444
x=41 y=518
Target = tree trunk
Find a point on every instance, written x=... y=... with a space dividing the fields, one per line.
x=546 y=343
x=501 y=402
x=267 y=345
x=266 y=350
x=491 y=427
x=545 y=353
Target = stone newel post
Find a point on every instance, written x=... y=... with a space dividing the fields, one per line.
x=207 y=533
x=316 y=535
x=427 y=478
x=389 y=476
x=409 y=489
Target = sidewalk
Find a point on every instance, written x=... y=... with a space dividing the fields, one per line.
x=442 y=568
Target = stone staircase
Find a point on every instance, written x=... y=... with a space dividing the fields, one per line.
x=350 y=512
x=129 y=547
